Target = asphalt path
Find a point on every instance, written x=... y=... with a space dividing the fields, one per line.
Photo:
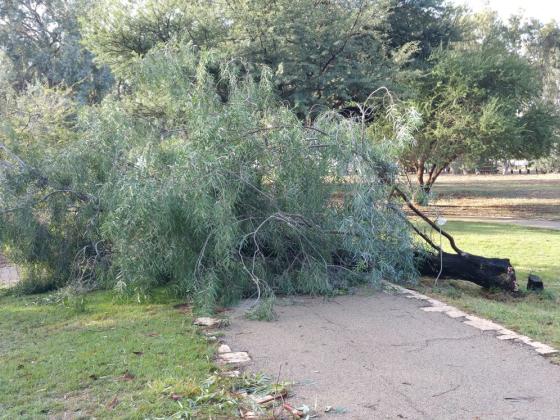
x=377 y=355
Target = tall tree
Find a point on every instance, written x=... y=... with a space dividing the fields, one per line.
x=42 y=39
x=540 y=43
x=476 y=101
x=422 y=25
x=321 y=53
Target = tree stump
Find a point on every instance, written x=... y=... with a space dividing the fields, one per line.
x=534 y=283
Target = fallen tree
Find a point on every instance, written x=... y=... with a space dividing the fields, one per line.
x=213 y=196
x=217 y=200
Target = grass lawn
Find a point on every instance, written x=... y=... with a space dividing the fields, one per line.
x=99 y=358
x=530 y=250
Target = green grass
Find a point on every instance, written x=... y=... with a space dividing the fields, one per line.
x=530 y=250
x=99 y=358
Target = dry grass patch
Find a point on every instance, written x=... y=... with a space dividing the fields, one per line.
x=487 y=196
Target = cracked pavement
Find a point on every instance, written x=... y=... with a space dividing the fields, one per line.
x=377 y=355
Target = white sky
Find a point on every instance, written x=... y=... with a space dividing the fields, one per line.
x=544 y=10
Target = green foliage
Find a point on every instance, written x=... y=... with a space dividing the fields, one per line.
x=42 y=41
x=320 y=53
x=482 y=101
x=424 y=24
x=119 y=32
x=44 y=221
x=221 y=196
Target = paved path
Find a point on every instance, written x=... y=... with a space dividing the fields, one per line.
x=543 y=224
x=8 y=276
x=377 y=355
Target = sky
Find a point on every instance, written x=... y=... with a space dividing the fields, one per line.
x=544 y=10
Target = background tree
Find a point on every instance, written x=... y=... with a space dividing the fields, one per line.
x=321 y=53
x=540 y=43
x=421 y=26
x=480 y=98
x=120 y=32
x=42 y=40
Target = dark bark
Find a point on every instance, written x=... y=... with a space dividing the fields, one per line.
x=420 y=173
x=434 y=173
x=486 y=272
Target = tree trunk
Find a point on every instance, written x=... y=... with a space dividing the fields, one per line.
x=420 y=173
x=434 y=174
x=490 y=273
x=505 y=169
x=486 y=272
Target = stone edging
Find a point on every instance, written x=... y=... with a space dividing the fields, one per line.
x=231 y=360
x=481 y=324
x=231 y=363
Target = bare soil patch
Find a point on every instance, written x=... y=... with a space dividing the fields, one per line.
x=535 y=197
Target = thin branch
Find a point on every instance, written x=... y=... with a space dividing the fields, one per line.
x=423 y=235
x=427 y=220
x=201 y=255
x=20 y=161
x=80 y=196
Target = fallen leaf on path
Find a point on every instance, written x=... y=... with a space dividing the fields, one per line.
x=518 y=399
x=293 y=411
x=248 y=415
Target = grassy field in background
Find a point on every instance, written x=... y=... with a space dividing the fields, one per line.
x=513 y=196
x=530 y=250
x=98 y=358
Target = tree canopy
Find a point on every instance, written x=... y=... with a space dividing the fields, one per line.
x=479 y=98
x=42 y=41
x=320 y=53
